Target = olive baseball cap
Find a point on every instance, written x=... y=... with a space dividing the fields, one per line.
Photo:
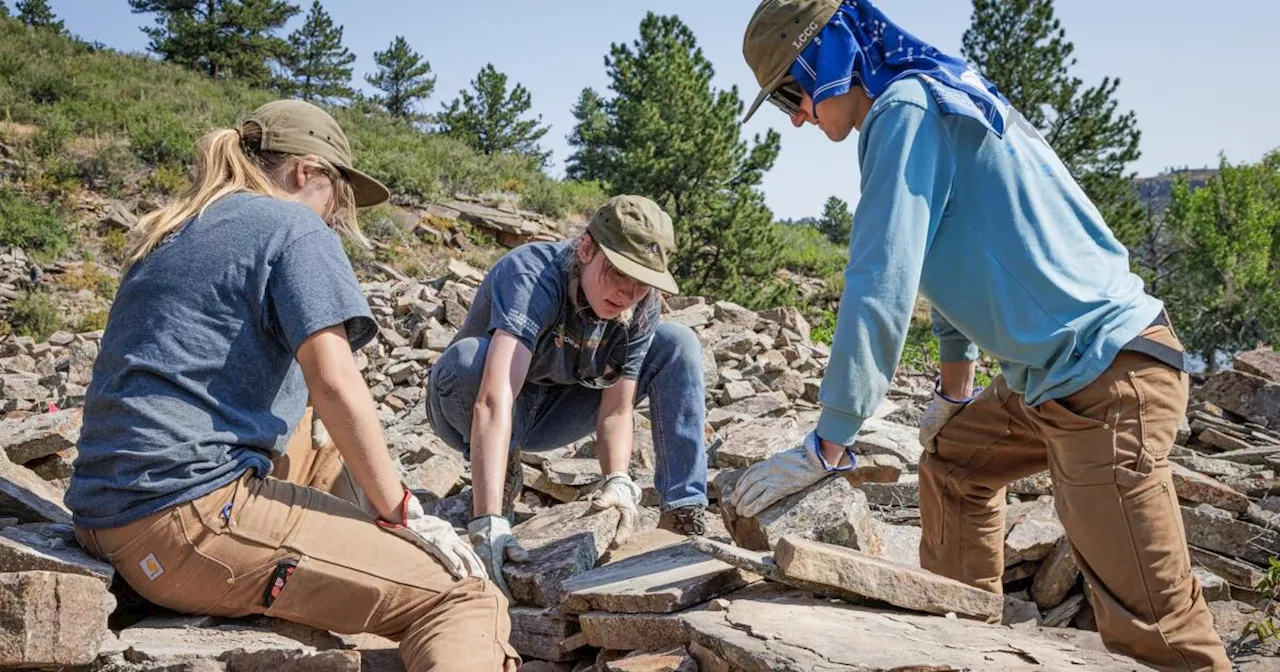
x=779 y=30
x=636 y=236
x=298 y=127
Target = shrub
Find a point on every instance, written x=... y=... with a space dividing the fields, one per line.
x=162 y=140
x=31 y=226
x=92 y=277
x=115 y=245
x=54 y=132
x=34 y=315
x=561 y=199
x=93 y=320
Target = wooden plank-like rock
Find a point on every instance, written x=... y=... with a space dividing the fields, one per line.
x=659 y=581
x=861 y=574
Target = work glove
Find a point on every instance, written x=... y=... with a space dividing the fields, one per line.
x=785 y=473
x=937 y=414
x=320 y=438
x=436 y=537
x=620 y=492
x=492 y=538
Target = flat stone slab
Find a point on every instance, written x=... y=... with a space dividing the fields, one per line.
x=562 y=541
x=1253 y=397
x=48 y=547
x=1216 y=530
x=906 y=492
x=794 y=634
x=1210 y=466
x=757 y=440
x=900 y=585
x=1196 y=487
x=537 y=633
x=575 y=472
x=761 y=405
x=1056 y=577
x=881 y=437
x=659 y=581
x=27 y=497
x=1237 y=572
x=1257 y=455
x=631 y=632
x=1261 y=363
x=51 y=619
x=40 y=435
x=242 y=645
x=831 y=510
x=675 y=659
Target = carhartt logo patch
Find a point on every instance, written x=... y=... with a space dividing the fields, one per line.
x=151 y=567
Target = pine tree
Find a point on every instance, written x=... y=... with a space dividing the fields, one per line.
x=488 y=118
x=319 y=66
x=1021 y=47
x=4 y=10
x=836 y=221
x=222 y=38
x=38 y=14
x=589 y=135
x=404 y=77
x=668 y=134
x=1224 y=293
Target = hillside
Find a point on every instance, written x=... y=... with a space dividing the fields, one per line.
x=1155 y=192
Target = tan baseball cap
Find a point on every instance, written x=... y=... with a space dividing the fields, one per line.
x=777 y=33
x=636 y=236
x=298 y=127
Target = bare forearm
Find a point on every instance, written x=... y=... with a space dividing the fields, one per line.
x=346 y=408
x=490 y=436
x=614 y=438
x=957 y=379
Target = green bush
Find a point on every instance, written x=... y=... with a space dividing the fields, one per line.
x=54 y=132
x=806 y=251
x=562 y=198
x=161 y=141
x=35 y=315
x=30 y=226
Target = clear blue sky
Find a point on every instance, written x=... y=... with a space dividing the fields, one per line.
x=1188 y=69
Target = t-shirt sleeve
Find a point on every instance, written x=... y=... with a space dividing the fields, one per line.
x=312 y=287
x=640 y=338
x=523 y=306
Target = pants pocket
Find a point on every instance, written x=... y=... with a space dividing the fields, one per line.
x=166 y=566
x=1161 y=394
x=1081 y=436
x=1155 y=523
x=324 y=595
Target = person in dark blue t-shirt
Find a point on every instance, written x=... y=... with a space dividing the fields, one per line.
x=563 y=339
x=239 y=303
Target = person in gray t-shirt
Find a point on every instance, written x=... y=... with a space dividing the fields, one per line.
x=563 y=339
x=237 y=305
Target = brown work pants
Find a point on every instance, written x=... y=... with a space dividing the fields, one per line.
x=222 y=553
x=1106 y=448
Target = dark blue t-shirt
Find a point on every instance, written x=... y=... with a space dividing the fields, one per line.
x=196 y=379
x=530 y=294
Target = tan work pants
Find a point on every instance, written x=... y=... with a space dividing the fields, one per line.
x=1106 y=448
x=274 y=547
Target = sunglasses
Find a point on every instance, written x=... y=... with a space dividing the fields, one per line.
x=788 y=97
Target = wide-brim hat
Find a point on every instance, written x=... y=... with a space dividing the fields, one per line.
x=778 y=32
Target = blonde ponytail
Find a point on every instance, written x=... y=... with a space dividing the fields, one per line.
x=227 y=162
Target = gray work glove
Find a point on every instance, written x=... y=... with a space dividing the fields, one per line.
x=436 y=537
x=493 y=541
x=785 y=473
x=620 y=492
x=937 y=414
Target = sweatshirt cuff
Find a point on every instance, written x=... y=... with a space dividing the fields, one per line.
x=838 y=427
x=958 y=350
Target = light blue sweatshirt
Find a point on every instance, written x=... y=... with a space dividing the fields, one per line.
x=998 y=236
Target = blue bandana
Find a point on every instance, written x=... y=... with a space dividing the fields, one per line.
x=860 y=44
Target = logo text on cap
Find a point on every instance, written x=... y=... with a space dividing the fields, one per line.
x=808 y=31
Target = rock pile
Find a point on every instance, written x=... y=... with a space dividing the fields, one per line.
x=827 y=579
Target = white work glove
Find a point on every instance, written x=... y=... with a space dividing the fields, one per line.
x=937 y=414
x=491 y=535
x=319 y=434
x=436 y=537
x=784 y=474
x=619 y=491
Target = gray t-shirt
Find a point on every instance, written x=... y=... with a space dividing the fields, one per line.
x=527 y=293
x=196 y=379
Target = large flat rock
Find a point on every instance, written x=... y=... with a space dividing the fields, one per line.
x=1253 y=397
x=50 y=619
x=242 y=645
x=830 y=510
x=1196 y=487
x=1216 y=530
x=562 y=541
x=867 y=576
x=40 y=435
x=881 y=437
x=48 y=547
x=537 y=633
x=1056 y=576
x=631 y=632
x=1034 y=535
x=792 y=634
x=757 y=440
x=27 y=497
x=659 y=581
x=1261 y=363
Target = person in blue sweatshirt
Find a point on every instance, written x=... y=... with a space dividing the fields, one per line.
x=963 y=202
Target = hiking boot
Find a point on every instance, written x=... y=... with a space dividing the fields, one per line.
x=686 y=520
